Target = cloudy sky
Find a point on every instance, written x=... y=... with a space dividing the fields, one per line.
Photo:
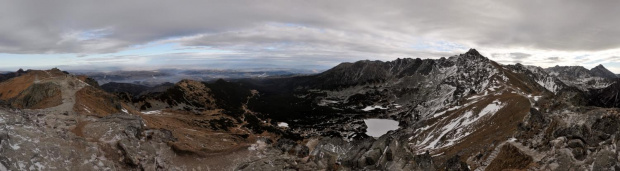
x=134 y=34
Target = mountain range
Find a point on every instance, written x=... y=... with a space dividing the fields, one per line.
x=463 y=112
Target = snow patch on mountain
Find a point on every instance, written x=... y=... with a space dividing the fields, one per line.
x=153 y=112
x=370 y=108
x=283 y=124
x=458 y=128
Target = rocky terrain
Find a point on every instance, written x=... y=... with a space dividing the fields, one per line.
x=582 y=78
x=464 y=112
x=52 y=120
x=601 y=71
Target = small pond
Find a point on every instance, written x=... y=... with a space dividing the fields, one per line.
x=378 y=127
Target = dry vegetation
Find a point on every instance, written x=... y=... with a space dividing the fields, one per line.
x=96 y=102
x=11 y=88
x=195 y=133
x=31 y=91
x=510 y=158
x=39 y=96
x=488 y=132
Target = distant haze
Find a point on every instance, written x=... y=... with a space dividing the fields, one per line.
x=157 y=77
x=147 y=35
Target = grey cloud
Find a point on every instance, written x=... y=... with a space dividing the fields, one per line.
x=519 y=55
x=555 y=58
x=602 y=60
x=60 y=26
x=304 y=41
x=613 y=58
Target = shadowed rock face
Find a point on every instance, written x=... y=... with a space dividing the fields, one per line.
x=582 y=78
x=7 y=76
x=362 y=72
x=601 y=71
x=510 y=157
x=39 y=96
x=606 y=97
x=132 y=89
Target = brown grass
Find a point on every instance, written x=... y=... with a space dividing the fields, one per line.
x=11 y=88
x=49 y=102
x=82 y=77
x=194 y=137
x=520 y=81
x=95 y=102
x=489 y=132
x=39 y=96
x=510 y=158
x=497 y=129
x=79 y=127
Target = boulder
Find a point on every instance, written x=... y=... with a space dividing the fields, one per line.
x=372 y=156
x=607 y=124
x=424 y=161
x=573 y=132
x=604 y=160
x=3 y=136
x=455 y=164
x=130 y=152
x=285 y=145
x=301 y=151
x=575 y=143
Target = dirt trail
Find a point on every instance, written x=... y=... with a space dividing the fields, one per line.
x=63 y=116
x=491 y=157
x=69 y=86
x=528 y=151
x=536 y=156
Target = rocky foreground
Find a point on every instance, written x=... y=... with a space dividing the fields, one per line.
x=464 y=112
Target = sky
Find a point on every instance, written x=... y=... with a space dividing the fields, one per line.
x=151 y=34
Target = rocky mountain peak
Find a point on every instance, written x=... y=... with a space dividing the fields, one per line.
x=569 y=71
x=601 y=71
x=582 y=78
x=473 y=52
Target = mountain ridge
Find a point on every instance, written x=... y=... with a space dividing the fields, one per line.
x=601 y=71
x=462 y=111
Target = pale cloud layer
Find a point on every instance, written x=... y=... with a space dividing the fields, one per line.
x=314 y=34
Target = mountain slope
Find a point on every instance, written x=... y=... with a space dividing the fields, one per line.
x=606 y=97
x=72 y=121
x=456 y=110
x=580 y=77
x=601 y=71
x=441 y=104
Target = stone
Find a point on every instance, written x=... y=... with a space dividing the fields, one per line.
x=604 y=160
x=372 y=156
x=285 y=144
x=575 y=143
x=130 y=152
x=301 y=151
x=3 y=136
x=455 y=164
x=424 y=161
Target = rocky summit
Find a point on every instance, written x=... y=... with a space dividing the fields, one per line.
x=463 y=112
